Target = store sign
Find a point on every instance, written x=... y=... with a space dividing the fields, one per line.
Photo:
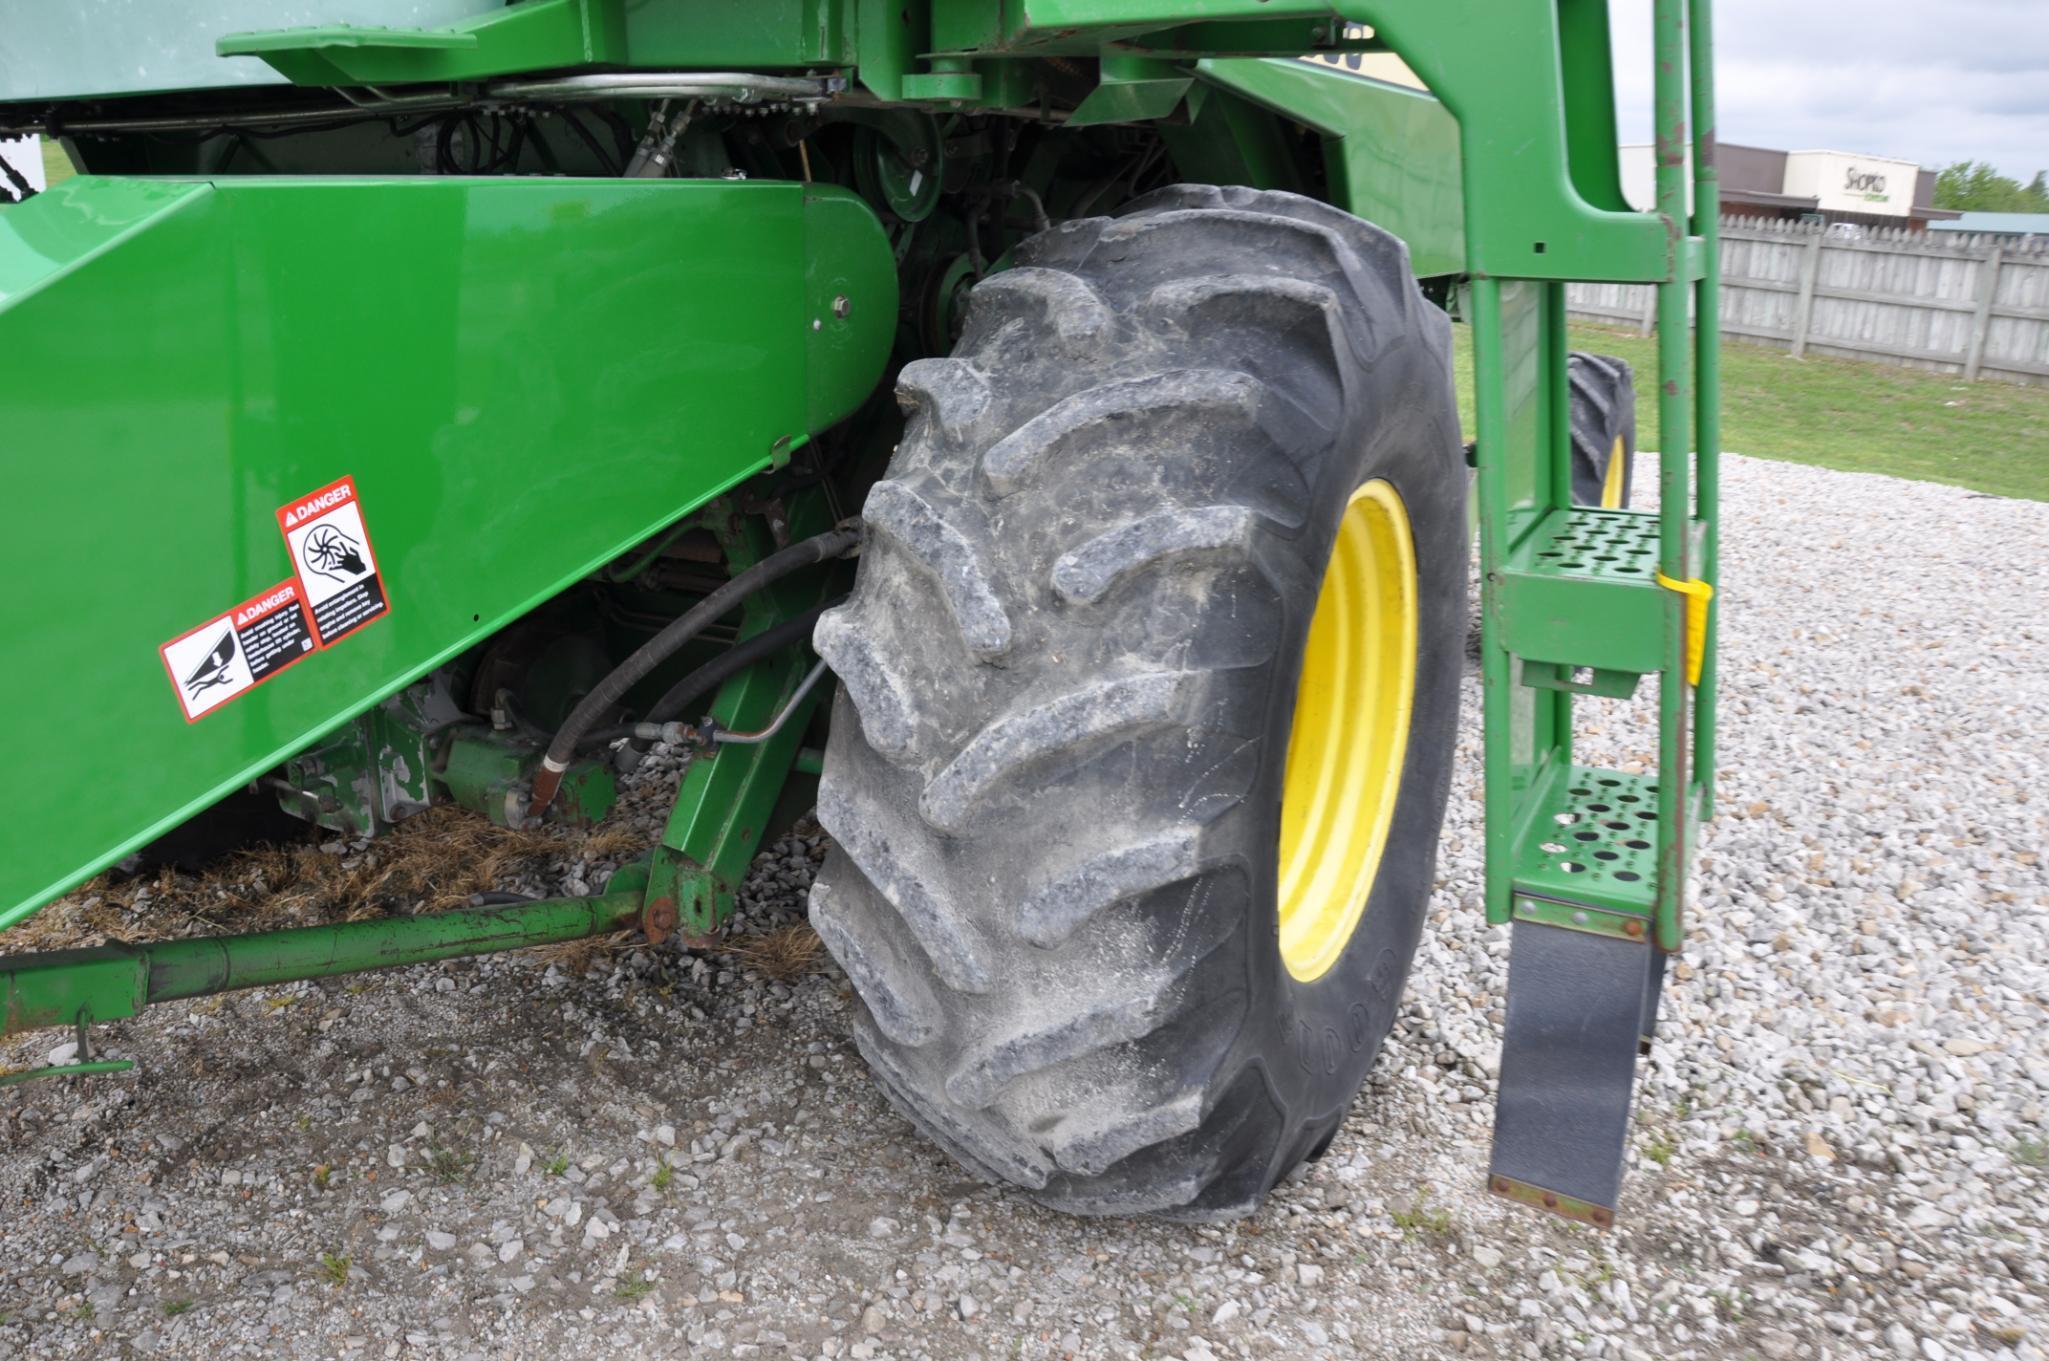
x=1845 y=183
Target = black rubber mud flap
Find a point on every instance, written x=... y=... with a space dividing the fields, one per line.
x=1581 y=1006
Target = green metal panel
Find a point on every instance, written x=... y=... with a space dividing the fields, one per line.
x=523 y=377
x=1562 y=617
x=523 y=37
x=1497 y=68
x=889 y=35
x=1586 y=60
x=69 y=49
x=541 y=34
x=767 y=33
x=61 y=987
x=1132 y=90
x=1230 y=140
x=1393 y=154
x=1526 y=122
x=1707 y=308
x=1526 y=728
x=1582 y=591
x=727 y=794
x=1522 y=447
x=1594 y=839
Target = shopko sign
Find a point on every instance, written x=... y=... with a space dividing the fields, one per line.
x=1852 y=184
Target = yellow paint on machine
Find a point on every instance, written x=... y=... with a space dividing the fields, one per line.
x=1350 y=732
x=1611 y=481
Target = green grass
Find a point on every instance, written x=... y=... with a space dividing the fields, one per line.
x=335 y=1268
x=56 y=165
x=1842 y=413
x=450 y=1166
x=1422 y=1217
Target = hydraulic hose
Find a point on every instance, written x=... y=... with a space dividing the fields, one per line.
x=713 y=673
x=609 y=691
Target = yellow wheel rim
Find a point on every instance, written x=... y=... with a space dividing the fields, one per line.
x=1350 y=733
x=1611 y=484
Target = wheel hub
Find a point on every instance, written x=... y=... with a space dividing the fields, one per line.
x=1350 y=732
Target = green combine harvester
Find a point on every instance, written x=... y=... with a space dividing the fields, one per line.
x=1022 y=429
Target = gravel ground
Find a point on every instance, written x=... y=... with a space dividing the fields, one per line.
x=1841 y=1148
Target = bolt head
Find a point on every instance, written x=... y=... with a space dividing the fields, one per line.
x=841 y=306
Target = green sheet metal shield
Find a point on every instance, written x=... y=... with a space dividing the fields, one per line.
x=514 y=379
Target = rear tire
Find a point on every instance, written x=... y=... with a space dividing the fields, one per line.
x=1068 y=676
x=1603 y=416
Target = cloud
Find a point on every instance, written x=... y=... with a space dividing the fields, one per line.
x=1966 y=80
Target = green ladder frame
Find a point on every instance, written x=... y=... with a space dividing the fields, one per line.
x=1589 y=864
x=1572 y=603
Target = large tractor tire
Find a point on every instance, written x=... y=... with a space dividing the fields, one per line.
x=1149 y=681
x=1603 y=415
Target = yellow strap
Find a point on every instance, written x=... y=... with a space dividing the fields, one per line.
x=1697 y=594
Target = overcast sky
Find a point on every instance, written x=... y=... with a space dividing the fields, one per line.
x=1932 y=81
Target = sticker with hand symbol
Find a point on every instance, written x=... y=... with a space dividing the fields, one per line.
x=239 y=650
x=331 y=553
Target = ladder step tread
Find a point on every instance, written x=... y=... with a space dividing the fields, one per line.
x=1585 y=544
x=1592 y=839
x=1582 y=590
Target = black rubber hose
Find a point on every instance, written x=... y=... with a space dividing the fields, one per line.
x=713 y=673
x=658 y=649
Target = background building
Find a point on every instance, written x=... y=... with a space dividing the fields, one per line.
x=2020 y=226
x=1824 y=186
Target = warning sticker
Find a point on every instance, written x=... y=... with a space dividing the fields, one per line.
x=331 y=552
x=238 y=651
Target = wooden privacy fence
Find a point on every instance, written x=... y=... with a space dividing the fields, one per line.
x=1948 y=301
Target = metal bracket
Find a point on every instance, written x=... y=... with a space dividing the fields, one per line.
x=729 y=792
x=67 y=1070
x=1584 y=1211
x=86 y=1064
x=1597 y=921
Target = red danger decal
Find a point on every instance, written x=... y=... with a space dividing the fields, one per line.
x=235 y=652
x=337 y=571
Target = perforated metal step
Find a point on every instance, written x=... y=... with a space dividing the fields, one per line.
x=1582 y=591
x=1609 y=545
x=1593 y=839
